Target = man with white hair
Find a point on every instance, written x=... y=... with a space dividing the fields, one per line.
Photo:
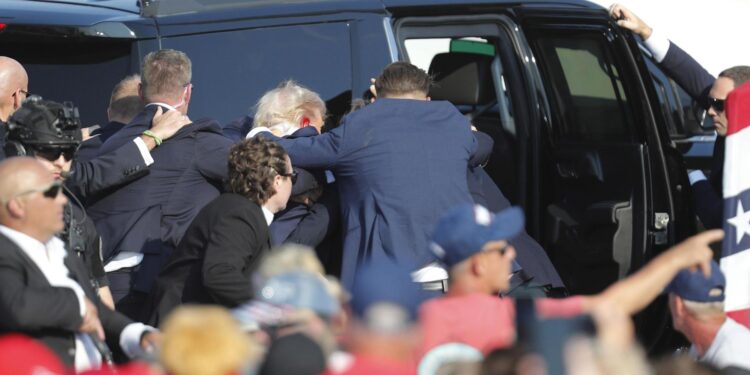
x=697 y=306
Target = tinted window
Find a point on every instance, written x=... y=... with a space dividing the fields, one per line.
x=83 y=72
x=587 y=86
x=232 y=70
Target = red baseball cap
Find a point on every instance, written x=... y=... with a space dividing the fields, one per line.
x=22 y=355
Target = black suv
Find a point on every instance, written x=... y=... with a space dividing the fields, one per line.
x=589 y=133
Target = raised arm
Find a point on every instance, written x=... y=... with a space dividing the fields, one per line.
x=635 y=292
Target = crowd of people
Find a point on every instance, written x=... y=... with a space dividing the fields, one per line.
x=156 y=244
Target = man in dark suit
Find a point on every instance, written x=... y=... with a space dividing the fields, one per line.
x=227 y=240
x=124 y=105
x=46 y=293
x=705 y=89
x=143 y=222
x=399 y=162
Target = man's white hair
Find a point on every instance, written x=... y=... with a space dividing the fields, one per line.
x=283 y=108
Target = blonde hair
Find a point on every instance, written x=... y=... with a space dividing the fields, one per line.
x=284 y=107
x=205 y=340
x=165 y=73
x=290 y=257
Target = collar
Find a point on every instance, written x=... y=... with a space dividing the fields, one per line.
x=41 y=253
x=165 y=105
x=267 y=214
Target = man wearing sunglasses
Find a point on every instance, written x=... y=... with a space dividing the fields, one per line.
x=45 y=290
x=14 y=88
x=703 y=88
x=473 y=244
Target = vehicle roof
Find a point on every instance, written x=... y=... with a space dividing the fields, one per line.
x=89 y=10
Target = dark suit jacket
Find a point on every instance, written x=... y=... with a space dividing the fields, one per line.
x=95 y=177
x=89 y=148
x=216 y=258
x=150 y=215
x=697 y=82
x=529 y=254
x=400 y=165
x=30 y=305
x=238 y=129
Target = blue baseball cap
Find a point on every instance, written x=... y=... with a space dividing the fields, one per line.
x=381 y=282
x=299 y=290
x=694 y=286
x=463 y=231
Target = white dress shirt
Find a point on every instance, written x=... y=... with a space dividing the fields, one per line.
x=49 y=257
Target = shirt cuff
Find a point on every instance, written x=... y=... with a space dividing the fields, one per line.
x=144 y=151
x=257 y=130
x=658 y=45
x=696 y=176
x=130 y=339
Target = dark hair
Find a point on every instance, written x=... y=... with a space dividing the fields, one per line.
x=738 y=74
x=124 y=103
x=253 y=164
x=402 y=78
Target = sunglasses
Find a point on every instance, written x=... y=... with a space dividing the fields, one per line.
x=502 y=250
x=716 y=104
x=53 y=154
x=292 y=175
x=51 y=191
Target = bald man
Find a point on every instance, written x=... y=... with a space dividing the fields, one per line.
x=46 y=293
x=14 y=88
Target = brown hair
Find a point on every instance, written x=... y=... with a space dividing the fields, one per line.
x=165 y=73
x=125 y=103
x=738 y=74
x=253 y=164
x=402 y=78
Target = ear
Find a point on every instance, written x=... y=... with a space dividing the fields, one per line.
x=16 y=102
x=140 y=92
x=16 y=208
x=679 y=306
x=477 y=266
x=188 y=93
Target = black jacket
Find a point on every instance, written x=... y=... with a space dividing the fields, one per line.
x=215 y=260
x=30 y=305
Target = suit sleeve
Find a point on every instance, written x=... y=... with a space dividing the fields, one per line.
x=212 y=153
x=320 y=222
x=320 y=151
x=688 y=73
x=484 y=149
x=709 y=205
x=25 y=308
x=120 y=166
x=233 y=242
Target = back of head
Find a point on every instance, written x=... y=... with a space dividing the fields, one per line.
x=165 y=74
x=294 y=354
x=286 y=105
x=253 y=163
x=125 y=103
x=738 y=74
x=42 y=125
x=290 y=257
x=205 y=340
x=401 y=78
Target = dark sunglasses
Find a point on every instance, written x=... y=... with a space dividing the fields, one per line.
x=50 y=192
x=503 y=249
x=53 y=154
x=292 y=175
x=716 y=104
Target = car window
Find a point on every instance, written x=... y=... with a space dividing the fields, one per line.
x=233 y=69
x=586 y=83
x=80 y=71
